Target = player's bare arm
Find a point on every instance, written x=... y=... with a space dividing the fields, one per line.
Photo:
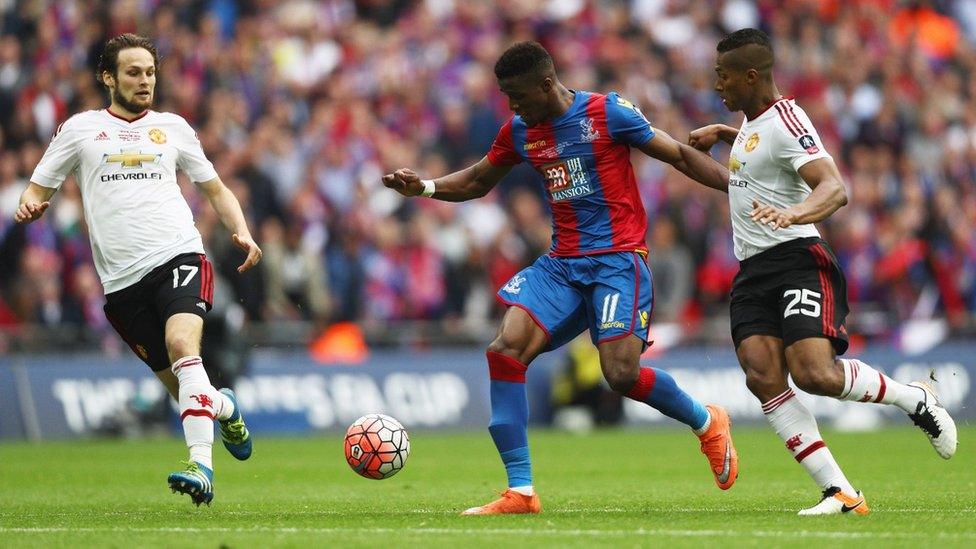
x=693 y=163
x=828 y=195
x=472 y=182
x=704 y=138
x=229 y=209
x=34 y=201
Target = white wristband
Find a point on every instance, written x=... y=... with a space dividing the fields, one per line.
x=428 y=188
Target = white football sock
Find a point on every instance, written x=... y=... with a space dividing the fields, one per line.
x=794 y=423
x=865 y=384
x=524 y=490
x=200 y=403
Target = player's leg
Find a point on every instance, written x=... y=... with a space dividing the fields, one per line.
x=539 y=316
x=763 y=360
x=619 y=317
x=620 y=360
x=184 y=288
x=815 y=308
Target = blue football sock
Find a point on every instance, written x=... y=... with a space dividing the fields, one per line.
x=658 y=389
x=510 y=417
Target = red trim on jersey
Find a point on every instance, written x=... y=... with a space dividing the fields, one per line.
x=795 y=118
x=827 y=314
x=505 y=368
x=781 y=98
x=130 y=120
x=786 y=120
x=628 y=219
x=196 y=412
x=881 y=391
x=810 y=449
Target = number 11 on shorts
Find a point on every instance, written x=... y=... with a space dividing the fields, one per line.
x=610 y=307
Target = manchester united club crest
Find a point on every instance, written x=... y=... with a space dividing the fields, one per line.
x=752 y=142
x=157 y=136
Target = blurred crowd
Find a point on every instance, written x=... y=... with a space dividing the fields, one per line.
x=302 y=105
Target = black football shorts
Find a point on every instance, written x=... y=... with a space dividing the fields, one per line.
x=793 y=291
x=139 y=312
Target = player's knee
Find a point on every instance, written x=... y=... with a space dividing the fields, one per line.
x=180 y=344
x=810 y=378
x=511 y=348
x=621 y=375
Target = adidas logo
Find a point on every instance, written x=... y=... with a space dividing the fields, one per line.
x=102 y=136
x=202 y=305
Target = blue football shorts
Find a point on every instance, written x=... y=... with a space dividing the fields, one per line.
x=611 y=294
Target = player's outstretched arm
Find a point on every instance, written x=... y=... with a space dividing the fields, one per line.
x=693 y=163
x=705 y=137
x=472 y=182
x=828 y=195
x=34 y=201
x=229 y=210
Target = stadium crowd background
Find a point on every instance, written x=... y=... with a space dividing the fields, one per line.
x=302 y=106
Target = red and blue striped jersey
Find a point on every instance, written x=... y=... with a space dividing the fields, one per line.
x=583 y=156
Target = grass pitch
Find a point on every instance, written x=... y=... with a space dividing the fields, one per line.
x=620 y=488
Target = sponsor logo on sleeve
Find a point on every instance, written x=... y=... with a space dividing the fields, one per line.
x=808 y=144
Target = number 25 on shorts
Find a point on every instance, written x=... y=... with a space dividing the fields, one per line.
x=802 y=301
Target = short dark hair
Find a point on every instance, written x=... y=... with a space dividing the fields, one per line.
x=523 y=58
x=744 y=37
x=109 y=60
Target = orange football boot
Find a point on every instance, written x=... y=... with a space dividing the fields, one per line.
x=717 y=446
x=511 y=503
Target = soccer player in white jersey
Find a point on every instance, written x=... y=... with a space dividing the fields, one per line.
x=789 y=299
x=148 y=253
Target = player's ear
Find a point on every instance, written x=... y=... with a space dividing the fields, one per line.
x=108 y=78
x=752 y=75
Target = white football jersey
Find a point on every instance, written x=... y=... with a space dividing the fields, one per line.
x=763 y=166
x=137 y=217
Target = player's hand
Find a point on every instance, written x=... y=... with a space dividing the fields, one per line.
x=30 y=211
x=777 y=218
x=704 y=138
x=254 y=252
x=404 y=181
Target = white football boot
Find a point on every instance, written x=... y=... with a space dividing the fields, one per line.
x=835 y=502
x=933 y=419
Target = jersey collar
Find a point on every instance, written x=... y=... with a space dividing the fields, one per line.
x=129 y=120
x=770 y=106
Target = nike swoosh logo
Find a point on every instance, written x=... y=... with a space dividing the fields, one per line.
x=724 y=477
x=845 y=509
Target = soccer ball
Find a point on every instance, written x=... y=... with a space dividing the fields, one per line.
x=377 y=446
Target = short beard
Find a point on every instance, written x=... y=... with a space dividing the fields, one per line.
x=121 y=101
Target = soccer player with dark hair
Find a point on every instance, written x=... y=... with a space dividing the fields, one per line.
x=147 y=251
x=595 y=276
x=789 y=299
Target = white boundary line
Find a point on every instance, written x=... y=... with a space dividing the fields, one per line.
x=782 y=534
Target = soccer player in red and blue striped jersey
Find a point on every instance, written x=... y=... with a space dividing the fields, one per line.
x=595 y=276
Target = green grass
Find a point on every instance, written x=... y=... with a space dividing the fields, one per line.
x=620 y=488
